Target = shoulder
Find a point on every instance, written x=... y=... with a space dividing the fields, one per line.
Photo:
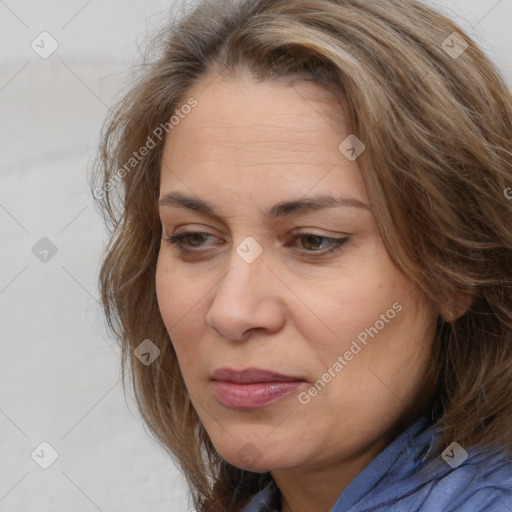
x=264 y=501
x=483 y=482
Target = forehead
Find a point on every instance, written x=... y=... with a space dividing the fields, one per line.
x=250 y=135
x=245 y=115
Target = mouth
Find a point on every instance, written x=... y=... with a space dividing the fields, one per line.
x=252 y=387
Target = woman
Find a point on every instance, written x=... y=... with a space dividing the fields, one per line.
x=311 y=257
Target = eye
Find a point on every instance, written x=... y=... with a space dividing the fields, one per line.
x=191 y=242
x=178 y=240
x=315 y=240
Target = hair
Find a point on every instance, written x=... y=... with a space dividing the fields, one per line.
x=438 y=160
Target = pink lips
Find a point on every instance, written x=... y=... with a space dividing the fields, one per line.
x=252 y=387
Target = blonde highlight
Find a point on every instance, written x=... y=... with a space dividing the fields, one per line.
x=434 y=127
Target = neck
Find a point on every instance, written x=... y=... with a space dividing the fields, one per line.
x=317 y=487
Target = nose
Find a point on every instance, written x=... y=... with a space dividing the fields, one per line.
x=247 y=298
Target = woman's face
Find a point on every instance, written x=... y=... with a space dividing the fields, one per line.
x=263 y=285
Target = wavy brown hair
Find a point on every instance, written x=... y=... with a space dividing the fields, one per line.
x=438 y=134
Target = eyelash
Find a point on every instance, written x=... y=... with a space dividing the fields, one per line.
x=336 y=242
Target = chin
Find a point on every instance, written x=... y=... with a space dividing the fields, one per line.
x=250 y=458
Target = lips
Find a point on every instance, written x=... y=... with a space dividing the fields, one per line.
x=251 y=376
x=253 y=387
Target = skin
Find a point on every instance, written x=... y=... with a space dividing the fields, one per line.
x=244 y=148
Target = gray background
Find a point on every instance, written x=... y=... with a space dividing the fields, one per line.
x=59 y=372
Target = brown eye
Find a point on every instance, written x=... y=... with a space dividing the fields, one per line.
x=189 y=240
x=313 y=241
x=196 y=237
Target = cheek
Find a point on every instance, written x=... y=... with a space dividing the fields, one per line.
x=371 y=313
x=169 y=293
x=175 y=291
x=179 y=303
x=347 y=307
x=165 y=293
x=396 y=347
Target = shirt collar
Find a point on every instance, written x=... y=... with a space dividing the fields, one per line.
x=404 y=456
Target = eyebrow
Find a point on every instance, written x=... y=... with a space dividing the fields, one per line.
x=282 y=209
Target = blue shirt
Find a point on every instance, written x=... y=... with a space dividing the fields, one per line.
x=403 y=478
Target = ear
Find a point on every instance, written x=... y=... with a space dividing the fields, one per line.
x=456 y=307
